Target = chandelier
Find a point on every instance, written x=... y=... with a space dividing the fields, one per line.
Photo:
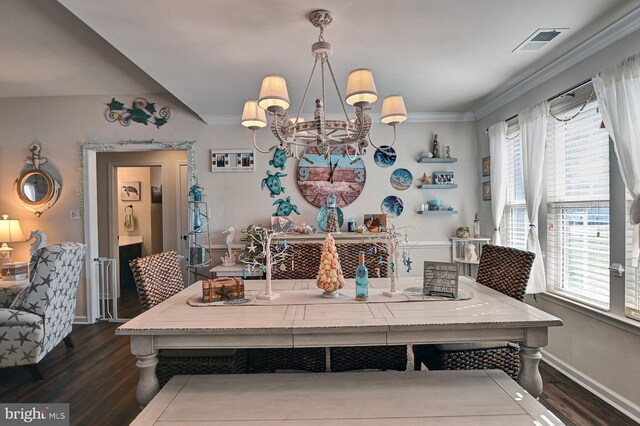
x=295 y=135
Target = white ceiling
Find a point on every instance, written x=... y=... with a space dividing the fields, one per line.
x=442 y=56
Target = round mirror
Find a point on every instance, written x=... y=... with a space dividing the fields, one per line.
x=35 y=187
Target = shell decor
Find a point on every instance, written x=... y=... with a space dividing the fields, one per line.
x=330 y=277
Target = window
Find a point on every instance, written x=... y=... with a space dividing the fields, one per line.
x=515 y=222
x=632 y=273
x=577 y=183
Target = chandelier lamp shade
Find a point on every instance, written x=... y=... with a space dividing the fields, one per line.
x=295 y=135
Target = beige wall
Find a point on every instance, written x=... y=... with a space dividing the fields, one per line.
x=235 y=199
x=603 y=352
x=155 y=174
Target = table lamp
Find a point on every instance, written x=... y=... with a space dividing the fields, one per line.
x=10 y=232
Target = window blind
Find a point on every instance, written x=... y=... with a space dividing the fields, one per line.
x=577 y=183
x=632 y=273
x=514 y=221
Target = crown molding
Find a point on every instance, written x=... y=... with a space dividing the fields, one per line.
x=414 y=117
x=617 y=31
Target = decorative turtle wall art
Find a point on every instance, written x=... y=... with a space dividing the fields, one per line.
x=285 y=207
x=273 y=182
x=279 y=159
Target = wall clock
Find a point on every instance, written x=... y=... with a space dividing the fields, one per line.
x=318 y=177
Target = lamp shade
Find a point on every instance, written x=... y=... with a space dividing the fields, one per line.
x=273 y=93
x=361 y=89
x=393 y=110
x=10 y=230
x=253 y=116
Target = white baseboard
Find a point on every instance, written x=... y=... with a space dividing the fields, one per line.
x=80 y=319
x=609 y=396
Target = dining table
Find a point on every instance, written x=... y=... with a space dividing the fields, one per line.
x=301 y=318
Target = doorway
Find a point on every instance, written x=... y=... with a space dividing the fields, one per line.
x=136 y=228
x=169 y=168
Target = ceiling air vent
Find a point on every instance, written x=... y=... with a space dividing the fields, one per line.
x=539 y=39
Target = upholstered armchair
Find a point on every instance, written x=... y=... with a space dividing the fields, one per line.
x=40 y=316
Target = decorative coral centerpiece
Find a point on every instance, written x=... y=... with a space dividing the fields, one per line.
x=330 y=276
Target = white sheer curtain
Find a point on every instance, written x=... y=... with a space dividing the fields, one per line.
x=498 y=153
x=618 y=91
x=533 y=132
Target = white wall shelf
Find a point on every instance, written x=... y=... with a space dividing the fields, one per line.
x=436 y=160
x=438 y=212
x=437 y=186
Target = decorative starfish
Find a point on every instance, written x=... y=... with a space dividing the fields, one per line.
x=425 y=180
x=252 y=248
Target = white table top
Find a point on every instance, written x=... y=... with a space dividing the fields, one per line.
x=384 y=323
x=487 y=397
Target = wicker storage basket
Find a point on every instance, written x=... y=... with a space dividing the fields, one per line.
x=269 y=360
x=306 y=260
x=169 y=366
x=505 y=359
x=369 y=357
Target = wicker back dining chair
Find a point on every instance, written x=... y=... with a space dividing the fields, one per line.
x=506 y=270
x=158 y=277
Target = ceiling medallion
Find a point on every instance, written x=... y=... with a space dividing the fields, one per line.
x=295 y=135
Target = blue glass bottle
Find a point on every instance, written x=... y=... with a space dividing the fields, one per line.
x=362 y=279
x=197 y=219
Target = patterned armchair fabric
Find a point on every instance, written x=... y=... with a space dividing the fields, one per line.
x=157 y=278
x=41 y=315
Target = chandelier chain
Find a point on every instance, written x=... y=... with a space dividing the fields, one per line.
x=306 y=92
x=333 y=77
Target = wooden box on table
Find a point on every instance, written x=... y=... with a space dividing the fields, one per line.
x=223 y=288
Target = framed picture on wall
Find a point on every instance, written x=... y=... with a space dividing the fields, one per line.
x=443 y=178
x=129 y=190
x=486 y=191
x=375 y=222
x=486 y=166
x=232 y=160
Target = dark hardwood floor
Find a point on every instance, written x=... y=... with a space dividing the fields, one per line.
x=98 y=378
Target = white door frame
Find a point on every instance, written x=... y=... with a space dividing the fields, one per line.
x=90 y=203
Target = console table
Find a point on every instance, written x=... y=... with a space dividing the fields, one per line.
x=303 y=259
x=487 y=316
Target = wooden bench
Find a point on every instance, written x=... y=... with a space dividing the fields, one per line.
x=481 y=397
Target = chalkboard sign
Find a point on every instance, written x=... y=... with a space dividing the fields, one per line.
x=440 y=279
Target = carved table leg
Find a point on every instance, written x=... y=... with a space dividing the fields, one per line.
x=148 y=386
x=529 y=377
